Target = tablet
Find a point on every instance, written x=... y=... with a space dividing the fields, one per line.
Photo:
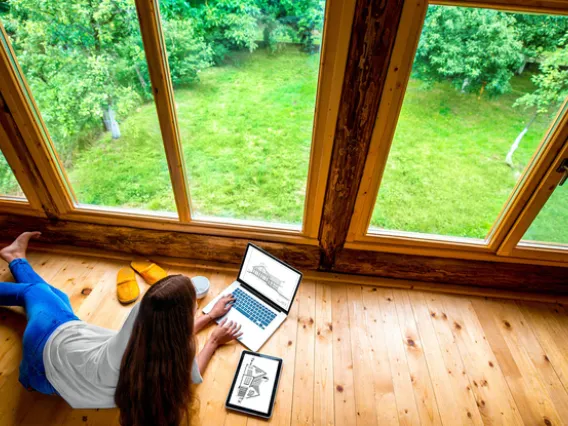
x=255 y=384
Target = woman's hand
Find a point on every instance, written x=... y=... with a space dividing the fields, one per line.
x=223 y=305
x=225 y=332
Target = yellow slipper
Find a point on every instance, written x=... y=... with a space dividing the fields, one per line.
x=127 y=289
x=151 y=272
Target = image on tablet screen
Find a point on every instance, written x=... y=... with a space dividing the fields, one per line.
x=255 y=382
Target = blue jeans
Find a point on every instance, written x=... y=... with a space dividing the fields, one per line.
x=46 y=309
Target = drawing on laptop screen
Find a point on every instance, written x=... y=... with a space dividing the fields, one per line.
x=269 y=277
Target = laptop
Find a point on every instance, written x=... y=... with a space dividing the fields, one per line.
x=264 y=292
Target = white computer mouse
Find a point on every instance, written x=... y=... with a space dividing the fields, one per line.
x=201 y=285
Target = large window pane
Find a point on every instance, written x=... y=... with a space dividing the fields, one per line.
x=245 y=77
x=482 y=82
x=8 y=184
x=551 y=224
x=86 y=67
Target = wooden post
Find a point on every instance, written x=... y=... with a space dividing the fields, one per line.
x=372 y=39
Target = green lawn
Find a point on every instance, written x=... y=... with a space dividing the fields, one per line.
x=446 y=172
x=246 y=131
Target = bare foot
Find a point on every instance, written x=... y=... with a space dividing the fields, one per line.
x=17 y=250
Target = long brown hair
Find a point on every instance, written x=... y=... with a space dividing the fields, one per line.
x=154 y=383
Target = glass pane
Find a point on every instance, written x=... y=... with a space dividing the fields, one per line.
x=485 y=86
x=8 y=184
x=86 y=67
x=551 y=224
x=245 y=76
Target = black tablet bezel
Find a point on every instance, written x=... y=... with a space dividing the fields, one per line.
x=274 y=390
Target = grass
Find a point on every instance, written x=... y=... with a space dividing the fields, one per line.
x=446 y=172
x=8 y=183
x=246 y=133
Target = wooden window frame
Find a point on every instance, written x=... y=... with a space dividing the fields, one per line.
x=356 y=56
x=34 y=161
x=359 y=236
x=512 y=244
x=16 y=205
x=63 y=205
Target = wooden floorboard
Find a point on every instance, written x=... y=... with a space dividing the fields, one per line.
x=353 y=355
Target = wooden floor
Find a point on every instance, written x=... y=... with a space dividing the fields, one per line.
x=352 y=356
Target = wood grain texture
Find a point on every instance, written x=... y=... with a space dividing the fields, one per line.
x=148 y=243
x=352 y=355
x=163 y=91
x=373 y=34
x=172 y=246
x=498 y=275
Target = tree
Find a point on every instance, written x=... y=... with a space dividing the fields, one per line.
x=80 y=59
x=302 y=21
x=86 y=64
x=188 y=53
x=476 y=49
x=228 y=25
x=539 y=34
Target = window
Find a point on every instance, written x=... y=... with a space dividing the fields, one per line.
x=8 y=184
x=245 y=76
x=85 y=64
x=220 y=118
x=485 y=86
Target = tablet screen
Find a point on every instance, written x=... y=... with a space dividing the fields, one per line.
x=255 y=384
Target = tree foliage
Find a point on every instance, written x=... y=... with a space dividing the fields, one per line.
x=540 y=33
x=83 y=58
x=80 y=59
x=551 y=83
x=473 y=48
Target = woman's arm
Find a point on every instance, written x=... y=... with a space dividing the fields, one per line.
x=223 y=305
x=201 y=322
x=226 y=332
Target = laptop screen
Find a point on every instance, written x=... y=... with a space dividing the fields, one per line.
x=270 y=277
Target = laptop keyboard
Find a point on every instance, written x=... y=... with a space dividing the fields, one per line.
x=252 y=309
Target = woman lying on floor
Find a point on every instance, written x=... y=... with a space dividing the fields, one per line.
x=145 y=369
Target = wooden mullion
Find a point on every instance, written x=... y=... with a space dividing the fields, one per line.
x=337 y=30
x=400 y=68
x=162 y=89
x=372 y=40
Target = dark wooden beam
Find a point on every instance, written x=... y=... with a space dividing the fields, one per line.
x=497 y=275
x=148 y=243
x=372 y=39
x=229 y=251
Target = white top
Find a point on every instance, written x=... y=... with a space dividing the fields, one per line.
x=82 y=361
